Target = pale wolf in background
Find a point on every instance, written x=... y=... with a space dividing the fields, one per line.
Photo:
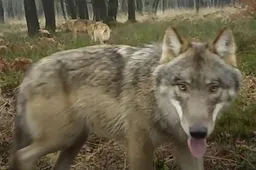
x=99 y=31
x=96 y=30
x=147 y=96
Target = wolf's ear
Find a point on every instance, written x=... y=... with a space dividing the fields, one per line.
x=172 y=44
x=225 y=46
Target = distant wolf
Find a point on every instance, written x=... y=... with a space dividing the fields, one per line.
x=96 y=30
x=172 y=91
x=99 y=32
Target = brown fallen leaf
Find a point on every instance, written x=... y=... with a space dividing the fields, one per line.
x=3 y=65
x=3 y=49
x=21 y=64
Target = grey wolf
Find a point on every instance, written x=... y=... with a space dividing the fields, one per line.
x=172 y=91
x=79 y=24
x=98 y=31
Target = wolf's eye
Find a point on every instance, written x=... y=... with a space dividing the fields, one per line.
x=214 y=88
x=182 y=87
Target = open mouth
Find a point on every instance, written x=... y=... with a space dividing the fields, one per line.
x=197 y=147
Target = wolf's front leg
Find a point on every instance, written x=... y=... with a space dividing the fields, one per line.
x=186 y=160
x=140 y=152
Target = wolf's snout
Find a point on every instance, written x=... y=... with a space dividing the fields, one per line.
x=198 y=131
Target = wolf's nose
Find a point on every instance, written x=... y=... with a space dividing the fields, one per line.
x=198 y=131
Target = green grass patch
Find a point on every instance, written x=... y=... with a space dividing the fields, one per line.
x=238 y=122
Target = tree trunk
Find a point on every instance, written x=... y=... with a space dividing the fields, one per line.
x=31 y=17
x=164 y=5
x=80 y=4
x=178 y=3
x=95 y=13
x=123 y=6
x=112 y=10
x=63 y=9
x=139 y=5
x=131 y=11
x=67 y=8
x=155 y=5
x=10 y=9
x=49 y=14
x=57 y=9
x=71 y=9
x=99 y=10
x=1 y=12
x=18 y=9
x=197 y=5
x=40 y=8
x=86 y=11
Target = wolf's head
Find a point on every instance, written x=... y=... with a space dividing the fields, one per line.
x=195 y=82
x=105 y=33
x=102 y=30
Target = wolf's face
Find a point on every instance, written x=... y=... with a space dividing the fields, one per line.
x=105 y=33
x=196 y=81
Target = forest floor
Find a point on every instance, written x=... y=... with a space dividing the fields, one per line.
x=231 y=147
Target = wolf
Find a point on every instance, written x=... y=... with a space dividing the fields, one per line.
x=79 y=24
x=66 y=26
x=168 y=92
x=97 y=30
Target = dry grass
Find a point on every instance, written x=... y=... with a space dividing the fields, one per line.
x=251 y=5
x=231 y=147
x=225 y=14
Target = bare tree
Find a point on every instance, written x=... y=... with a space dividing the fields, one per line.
x=31 y=17
x=40 y=8
x=82 y=8
x=178 y=3
x=63 y=9
x=123 y=4
x=86 y=11
x=49 y=13
x=71 y=9
x=18 y=8
x=139 y=5
x=99 y=10
x=165 y=5
x=197 y=5
x=131 y=11
x=112 y=10
x=155 y=5
x=10 y=11
x=57 y=7
x=1 y=12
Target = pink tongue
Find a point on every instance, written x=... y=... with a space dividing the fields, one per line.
x=197 y=147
